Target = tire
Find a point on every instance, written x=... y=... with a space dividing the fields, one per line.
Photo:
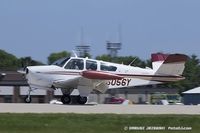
x=65 y=99
x=82 y=100
x=27 y=99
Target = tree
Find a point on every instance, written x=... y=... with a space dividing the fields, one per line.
x=104 y=57
x=192 y=73
x=28 y=61
x=133 y=61
x=8 y=61
x=11 y=62
x=87 y=55
x=55 y=56
x=130 y=60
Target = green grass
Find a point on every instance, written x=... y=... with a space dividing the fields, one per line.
x=92 y=123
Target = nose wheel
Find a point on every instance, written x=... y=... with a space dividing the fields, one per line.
x=27 y=99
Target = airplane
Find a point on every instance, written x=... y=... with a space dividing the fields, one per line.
x=87 y=75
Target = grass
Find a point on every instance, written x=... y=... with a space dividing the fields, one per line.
x=93 y=123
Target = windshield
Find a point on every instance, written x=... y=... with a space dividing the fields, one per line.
x=61 y=62
x=76 y=64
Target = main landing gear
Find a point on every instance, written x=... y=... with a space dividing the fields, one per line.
x=67 y=99
x=82 y=100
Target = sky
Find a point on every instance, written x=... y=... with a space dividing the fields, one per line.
x=38 y=28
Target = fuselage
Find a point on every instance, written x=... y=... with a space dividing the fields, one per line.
x=43 y=77
x=65 y=69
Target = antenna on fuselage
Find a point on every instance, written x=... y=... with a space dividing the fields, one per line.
x=133 y=61
x=74 y=53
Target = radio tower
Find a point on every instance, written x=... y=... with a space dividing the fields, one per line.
x=113 y=47
x=82 y=49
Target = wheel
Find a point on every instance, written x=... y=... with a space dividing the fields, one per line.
x=27 y=99
x=82 y=100
x=65 y=99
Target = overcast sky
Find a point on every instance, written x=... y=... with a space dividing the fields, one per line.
x=37 y=28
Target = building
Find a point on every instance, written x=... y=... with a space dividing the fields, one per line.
x=13 y=89
x=192 y=97
x=138 y=95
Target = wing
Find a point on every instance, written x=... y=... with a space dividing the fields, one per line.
x=96 y=80
x=87 y=81
x=68 y=83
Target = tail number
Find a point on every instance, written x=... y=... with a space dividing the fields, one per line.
x=122 y=82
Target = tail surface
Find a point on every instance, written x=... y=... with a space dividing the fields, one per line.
x=168 y=64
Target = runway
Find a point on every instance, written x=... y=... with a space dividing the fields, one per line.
x=98 y=109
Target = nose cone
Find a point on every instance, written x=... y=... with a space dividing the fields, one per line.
x=26 y=70
x=27 y=74
x=39 y=75
x=30 y=74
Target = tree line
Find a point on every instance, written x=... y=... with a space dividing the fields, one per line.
x=192 y=68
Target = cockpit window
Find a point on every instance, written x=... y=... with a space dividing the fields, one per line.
x=61 y=62
x=106 y=67
x=91 y=65
x=76 y=64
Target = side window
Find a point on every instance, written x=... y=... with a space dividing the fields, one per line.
x=106 y=67
x=76 y=64
x=91 y=65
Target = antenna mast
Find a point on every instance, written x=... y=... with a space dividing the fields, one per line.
x=82 y=49
x=113 y=47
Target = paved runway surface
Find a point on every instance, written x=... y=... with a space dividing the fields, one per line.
x=101 y=108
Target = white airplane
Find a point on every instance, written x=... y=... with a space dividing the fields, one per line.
x=87 y=74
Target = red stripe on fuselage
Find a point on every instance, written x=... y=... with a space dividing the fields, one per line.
x=100 y=75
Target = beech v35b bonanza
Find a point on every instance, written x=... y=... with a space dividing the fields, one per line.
x=87 y=74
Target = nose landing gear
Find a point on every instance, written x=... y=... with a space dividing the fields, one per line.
x=28 y=99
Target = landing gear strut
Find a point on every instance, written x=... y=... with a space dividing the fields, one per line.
x=28 y=99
